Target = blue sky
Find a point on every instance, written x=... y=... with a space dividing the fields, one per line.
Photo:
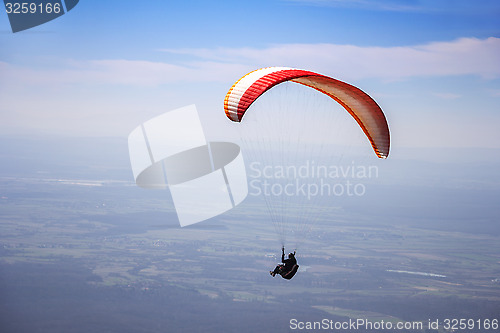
x=107 y=66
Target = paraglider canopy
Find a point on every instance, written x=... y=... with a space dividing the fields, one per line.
x=360 y=106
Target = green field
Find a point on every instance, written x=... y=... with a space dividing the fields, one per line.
x=351 y=269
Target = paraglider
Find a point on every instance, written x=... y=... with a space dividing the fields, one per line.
x=288 y=267
x=286 y=139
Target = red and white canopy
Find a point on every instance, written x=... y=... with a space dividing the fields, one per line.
x=362 y=107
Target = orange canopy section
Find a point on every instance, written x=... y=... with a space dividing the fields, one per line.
x=360 y=105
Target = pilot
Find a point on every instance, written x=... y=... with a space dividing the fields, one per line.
x=288 y=267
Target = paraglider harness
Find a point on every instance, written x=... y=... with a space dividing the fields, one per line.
x=291 y=273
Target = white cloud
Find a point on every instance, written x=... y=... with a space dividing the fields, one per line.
x=89 y=96
x=386 y=5
x=463 y=6
x=447 y=95
x=466 y=56
x=119 y=72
